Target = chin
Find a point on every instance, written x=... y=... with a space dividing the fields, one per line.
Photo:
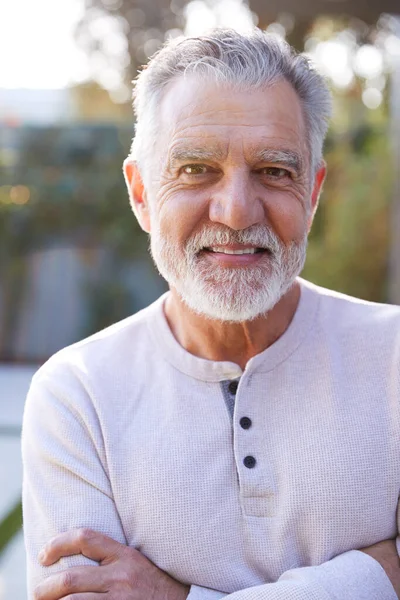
x=230 y=305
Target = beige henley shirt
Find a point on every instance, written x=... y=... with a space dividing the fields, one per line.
x=258 y=491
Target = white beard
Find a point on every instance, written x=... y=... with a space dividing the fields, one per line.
x=229 y=294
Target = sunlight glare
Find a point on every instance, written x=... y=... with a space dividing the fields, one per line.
x=332 y=58
x=37 y=40
x=202 y=16
x=368 y=61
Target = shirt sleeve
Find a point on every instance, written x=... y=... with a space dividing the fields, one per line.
x=65 y=483
x=353 y=575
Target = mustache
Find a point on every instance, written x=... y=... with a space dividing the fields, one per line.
x=257 y=235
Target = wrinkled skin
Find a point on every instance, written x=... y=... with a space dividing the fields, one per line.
x=232 y=186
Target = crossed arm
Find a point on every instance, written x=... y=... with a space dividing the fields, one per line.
x=59 y=455
x=125 y=574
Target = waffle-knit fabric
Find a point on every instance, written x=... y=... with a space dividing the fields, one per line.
x=129 y=434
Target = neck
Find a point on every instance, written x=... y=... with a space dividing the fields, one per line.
x=224 y=341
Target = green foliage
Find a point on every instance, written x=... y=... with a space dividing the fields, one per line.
x=10 y=526
x=76 y=188
x=348 y=249
x=75 y=195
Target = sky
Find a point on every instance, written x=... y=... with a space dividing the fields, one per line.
x=36 y=36
x=37 y=45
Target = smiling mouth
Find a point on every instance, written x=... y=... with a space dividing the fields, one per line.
x=221 y=250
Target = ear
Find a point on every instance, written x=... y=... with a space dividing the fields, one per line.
x=137 y=193
x=316 y=191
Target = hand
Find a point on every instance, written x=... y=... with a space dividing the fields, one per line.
x=386 y=554
x=123 y=572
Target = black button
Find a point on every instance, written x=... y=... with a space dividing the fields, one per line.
x=233 y=386
x=245 y=422
x=249 y=462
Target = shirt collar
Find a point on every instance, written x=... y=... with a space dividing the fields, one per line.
x=209 y=370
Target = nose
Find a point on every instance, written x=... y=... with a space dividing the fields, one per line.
x=234 y=202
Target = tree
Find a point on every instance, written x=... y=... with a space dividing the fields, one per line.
x=120 y=35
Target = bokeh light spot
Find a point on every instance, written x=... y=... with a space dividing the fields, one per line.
x=372 y=98
x=368 y=61
x=20 y=194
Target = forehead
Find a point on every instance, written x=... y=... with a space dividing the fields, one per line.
x=202 y=112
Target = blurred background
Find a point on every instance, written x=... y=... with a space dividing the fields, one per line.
x=72 y=258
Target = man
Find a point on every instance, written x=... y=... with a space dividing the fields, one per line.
x=238 y=438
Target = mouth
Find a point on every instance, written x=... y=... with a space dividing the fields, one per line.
x=235 y=249
x=235 y=255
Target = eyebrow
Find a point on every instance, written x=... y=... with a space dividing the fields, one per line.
x=179 y=155
x=288 y=158
x=285 y=157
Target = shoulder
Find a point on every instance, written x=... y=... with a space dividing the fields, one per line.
x=346 y=315
x=110 y=352
x=355 y=308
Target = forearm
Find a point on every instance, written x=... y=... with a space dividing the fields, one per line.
x=350 y=576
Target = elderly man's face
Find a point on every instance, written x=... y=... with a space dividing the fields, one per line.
x=231 y=197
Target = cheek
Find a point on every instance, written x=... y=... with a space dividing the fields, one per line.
x=180 y=214
x=287 y=214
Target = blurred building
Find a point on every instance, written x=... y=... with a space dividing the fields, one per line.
x=35 y=106
x=59 y=172
x=86 y=102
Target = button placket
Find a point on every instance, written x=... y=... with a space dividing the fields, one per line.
x=256 y=478
x=244 y=449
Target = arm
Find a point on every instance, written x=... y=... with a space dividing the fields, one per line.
x=371 y=573
x=354 y=575
x=65 y=481
x=67 y=493
x=127 y=575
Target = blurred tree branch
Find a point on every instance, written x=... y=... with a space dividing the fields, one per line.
x=122 y=34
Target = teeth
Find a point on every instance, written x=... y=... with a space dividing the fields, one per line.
x=224 y=251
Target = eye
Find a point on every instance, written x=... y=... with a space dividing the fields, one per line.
x=275 y=172
x=194 y=169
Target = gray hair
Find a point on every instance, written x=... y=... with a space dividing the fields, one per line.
x=256 y=59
